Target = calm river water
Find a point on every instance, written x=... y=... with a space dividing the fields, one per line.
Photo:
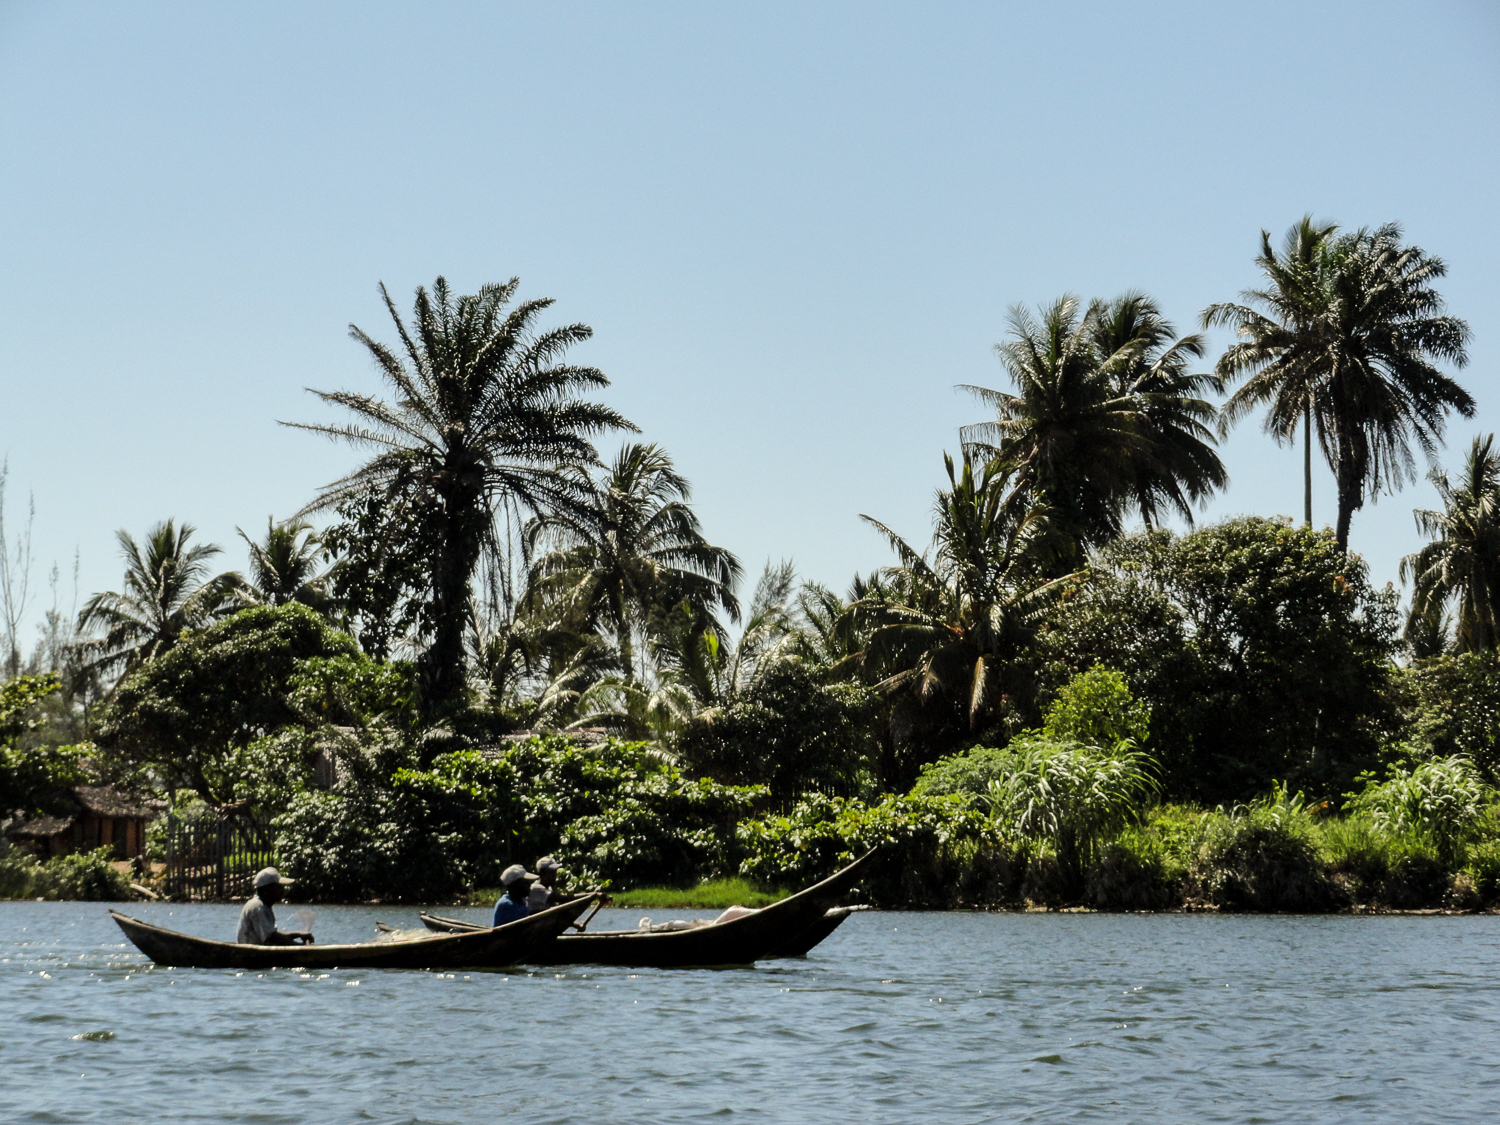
x=896 y=1018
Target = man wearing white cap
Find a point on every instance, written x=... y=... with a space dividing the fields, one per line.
x=512 y=904
x=258 y=923
x=544 y=892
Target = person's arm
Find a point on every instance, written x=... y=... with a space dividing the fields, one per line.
x=295 y=937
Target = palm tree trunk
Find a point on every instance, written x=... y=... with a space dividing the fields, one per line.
x=1307 y=464
x=440 y=668
x=1350 y=486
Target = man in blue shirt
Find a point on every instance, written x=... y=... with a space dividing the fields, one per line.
x=512 y=904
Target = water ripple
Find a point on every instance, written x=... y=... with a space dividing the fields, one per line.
x=970 y=1018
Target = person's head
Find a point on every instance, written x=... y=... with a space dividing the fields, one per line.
x=546 y=871
x=517 y=881
x=270 y=887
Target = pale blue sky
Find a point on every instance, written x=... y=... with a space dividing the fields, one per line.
x=794 y=227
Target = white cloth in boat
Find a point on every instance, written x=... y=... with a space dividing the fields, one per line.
x=257 y=923
x=682 y=924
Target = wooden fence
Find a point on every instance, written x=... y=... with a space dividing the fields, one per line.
x=212 y=859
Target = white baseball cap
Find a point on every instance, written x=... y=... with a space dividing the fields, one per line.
x=512 y=873
x=269 y=876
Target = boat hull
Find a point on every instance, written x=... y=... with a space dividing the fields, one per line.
x=788 y=928
x=484 y=948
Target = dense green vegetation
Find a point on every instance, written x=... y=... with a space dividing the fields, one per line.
x=503 y=644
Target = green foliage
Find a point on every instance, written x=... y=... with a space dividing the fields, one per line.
x=85 y=876
x=664 y=828
x=33 y=777
x=788 y=731
x=1451 y=705
x=1134 y=871
x=1483 y=870
x=33 y=780
x=188 y=715
x=1097 y=708
x=1381 y=868
x=618 y=812
x=1263 y=857
x=1070 y=795
x=18 y=696
x=381 y=570
x=1462 y=562
x=1440 y=798
x=970 y=773
x=1260 y=649
x=934 y=851
x=348 y=689
x=956 y=633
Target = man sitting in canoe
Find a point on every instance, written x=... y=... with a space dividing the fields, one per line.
x=258 y=923
x=512 y=904
x=544 y=892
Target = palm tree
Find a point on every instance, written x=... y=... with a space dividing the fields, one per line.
x=716 y=671
x=1106 y=417
x=284 y=568
x=632 y=548
x=1341 y=339
x=960 y=622
x=167 y=591
x=487 y=427
x=1067 y=430
x=1173 y=463
x=1462 y=562
x=828 y=635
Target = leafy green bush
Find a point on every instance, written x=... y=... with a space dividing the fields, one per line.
x=934 y=851
x=969 y=774
x=1069 y=795
x=82 y=876
x=618 y=813
x=1135 y=871
x=1450 y=705
x=1097 y=708
x=1441 y=798
x=789 y=731
x=1262 y=650
x=1483 y=870
x=187 y=716
x=1384 y=868
x=1263 y=857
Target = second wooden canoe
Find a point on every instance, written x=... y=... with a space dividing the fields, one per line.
x=788 y=928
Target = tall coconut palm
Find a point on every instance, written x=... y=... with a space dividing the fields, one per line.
x=168 y=589
x=1342 y=339
x=961 y=621
x=1068 y=429
x=1172 y=464
x=285 y=567
x=630 y=548
x=1107 y=417
x=1462 y=563
x=488 y=426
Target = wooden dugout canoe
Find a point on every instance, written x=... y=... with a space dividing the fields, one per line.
x=788 y=928
x=480 y=949
x=798 y=946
